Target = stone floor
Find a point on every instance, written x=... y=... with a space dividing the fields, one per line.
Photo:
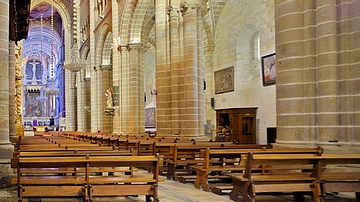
x=171 y=191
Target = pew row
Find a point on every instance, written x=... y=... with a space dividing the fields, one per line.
x=87 y=185
x=218 y=162
x=293 y=179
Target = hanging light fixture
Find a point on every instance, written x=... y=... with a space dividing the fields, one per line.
x=52 y=43
x=41 y=36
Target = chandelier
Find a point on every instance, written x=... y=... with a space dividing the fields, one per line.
x=76 y=63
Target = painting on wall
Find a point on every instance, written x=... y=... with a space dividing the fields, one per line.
x=32 y=107
x=150 y=117
x=224 y=80
x=268 y=66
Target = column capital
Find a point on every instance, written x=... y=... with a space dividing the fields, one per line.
x=186 y=7
x=172 y=11
x=135 y=46
x=105 y=67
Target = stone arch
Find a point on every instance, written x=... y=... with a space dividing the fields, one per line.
x=106 y=58
x=106 y=28
x=140 y=13
x=65 y=16
x=126 y=23
x=84 y=54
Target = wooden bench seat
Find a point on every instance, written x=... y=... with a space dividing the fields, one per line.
x=185 y=156
x=224 y=161
x=139 y=178
x=337 y=173
x=53 y=180
x=318 y=182
x=129 y=182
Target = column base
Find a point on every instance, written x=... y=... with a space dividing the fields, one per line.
x=6 y=172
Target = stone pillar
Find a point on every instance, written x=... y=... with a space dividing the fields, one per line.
x=189 y=94
x=348 y=70
x=116 y=65
x=105 y=78
x=124 y=111
x=81 y=99
x=94 y=100
x=70 y=105
x=317 y=71
x=296 y=72
x=209 y=79
x=175 y=70
x=353 y=74
x=200 y=72
x=136 y=90
x=163 y=93
x=327 y=87
x=87 y=91
x=6 y=149
x=12 y=129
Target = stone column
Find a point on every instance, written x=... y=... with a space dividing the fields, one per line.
x=105 y=78
x=296 y=72
x=87 y=91
x=70 y=105
x=209 y=79
x=124 y=111
x=200 y=72
x=353 y=72
x=175 y=70
x=6 y=149
x=81 y=98
x=317 y=73
x=136 y=90
x=116 y=65
x=94 y=100
x=12 y=130
x=189 y=94
x=295 y=83
x=326 y=51
x=163 y=93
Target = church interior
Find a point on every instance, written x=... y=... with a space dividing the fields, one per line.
x=273 y=73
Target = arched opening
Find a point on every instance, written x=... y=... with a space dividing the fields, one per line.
x=43 y=78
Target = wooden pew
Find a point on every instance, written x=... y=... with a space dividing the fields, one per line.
x=222 y=161
x=320 y=181
x=186 y=155
x=337 y=173
x=140 y=183
x=69 y=153
x=51 y=185
x=87 y=185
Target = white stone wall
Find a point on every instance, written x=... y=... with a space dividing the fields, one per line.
x=244 y=33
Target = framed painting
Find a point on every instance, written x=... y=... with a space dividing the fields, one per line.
x=150 y=117
x=268 y=66
x=224 y=80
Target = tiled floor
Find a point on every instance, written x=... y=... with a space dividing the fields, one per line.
x=171 y=191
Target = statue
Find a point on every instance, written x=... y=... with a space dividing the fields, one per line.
x=109 y=97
